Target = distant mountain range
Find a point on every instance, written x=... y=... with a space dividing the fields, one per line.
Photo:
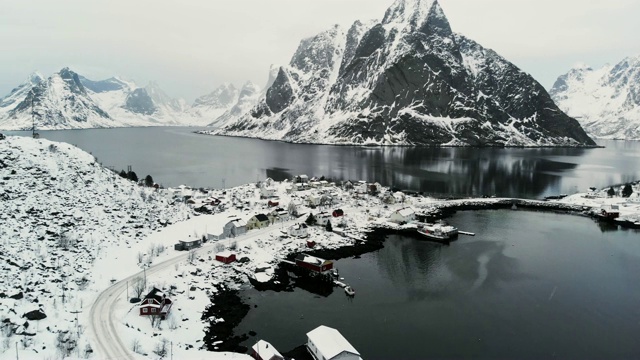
x=605 y=101
x=405 y=80
x=67 y=100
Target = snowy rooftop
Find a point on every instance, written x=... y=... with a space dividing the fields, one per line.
x=405 y=211
x=330 y=342
x=266 y=350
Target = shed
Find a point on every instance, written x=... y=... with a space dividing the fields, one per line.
x=262 y=350
x=226 y=257
x=188 y=244
x=327 y=343
x=337 y=212
x=314 y=263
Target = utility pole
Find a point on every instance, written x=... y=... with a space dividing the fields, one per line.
x=128 y=290
x=172 y=350
x=17 y=350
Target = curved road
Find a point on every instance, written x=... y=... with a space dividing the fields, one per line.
x=108 y=344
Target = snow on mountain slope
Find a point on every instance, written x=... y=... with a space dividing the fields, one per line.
x=61 y=212
x=407 y=80
x=605 y=101
x=246 y=99
x=211 y=106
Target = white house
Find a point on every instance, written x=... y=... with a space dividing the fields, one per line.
x=313 y=200
x=322 y=218
x=326 y=343
x=299 y=230
x=403 y=215
x=263 y=350
x=267 y=192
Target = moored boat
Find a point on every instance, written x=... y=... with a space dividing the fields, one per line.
x=438 y=231
x=349 y=291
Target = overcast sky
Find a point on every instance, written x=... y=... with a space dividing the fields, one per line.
x=190 y=47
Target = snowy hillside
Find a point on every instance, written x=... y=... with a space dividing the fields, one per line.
x=407 y=80
x=605 y=101
x=61 y=212
x=210 y=106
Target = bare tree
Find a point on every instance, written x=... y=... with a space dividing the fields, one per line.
x=140 y=257
x=161 y=348
x=155 y=321
x=135 y=346
x=192 y=256
x=138 y=286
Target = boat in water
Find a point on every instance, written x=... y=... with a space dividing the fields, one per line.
x=349 y=291
x=438 y=231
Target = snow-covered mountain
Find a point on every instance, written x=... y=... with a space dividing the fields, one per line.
x=605 y=101
x=407 y=80
x=210 y=106
x=67 y=100
x=59 y=102
x=61 y=213
x=245 y=100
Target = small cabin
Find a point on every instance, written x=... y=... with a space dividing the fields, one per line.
x=337 y=213
x=299 y=230
x=226 y=257
x=313 y=263
x=187 y=245
x=610 y=211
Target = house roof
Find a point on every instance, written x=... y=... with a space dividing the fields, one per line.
x=261 y=217
x=330 y=342
x=266 y=350
x=155 y=294
x=237 y=222
x=405 y=212
x=225 y=253
x=312 y=260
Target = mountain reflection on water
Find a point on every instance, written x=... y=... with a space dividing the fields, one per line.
x=175 y=156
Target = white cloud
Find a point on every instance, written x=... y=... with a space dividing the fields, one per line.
x=191 y=47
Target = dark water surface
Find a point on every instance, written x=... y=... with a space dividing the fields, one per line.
x=528 y=285
x=175 y=156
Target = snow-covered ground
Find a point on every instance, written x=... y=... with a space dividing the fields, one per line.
x=75 y=237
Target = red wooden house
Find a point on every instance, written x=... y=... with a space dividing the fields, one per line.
x=314 y=263
x=273 y=203
x=155 y=303
x=337 y=212
x=226 y=257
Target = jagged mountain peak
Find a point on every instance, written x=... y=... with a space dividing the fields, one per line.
x=35 y=78
x=413 y=12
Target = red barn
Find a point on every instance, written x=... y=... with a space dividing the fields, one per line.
x=155 y=303
x=311 y=243
x=314 y=263
x=337 y=212
x=226 y=257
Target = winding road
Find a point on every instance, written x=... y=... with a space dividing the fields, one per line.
x=107 y=343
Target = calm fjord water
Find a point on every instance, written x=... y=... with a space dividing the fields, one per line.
x=529 y=285
x=175 y=156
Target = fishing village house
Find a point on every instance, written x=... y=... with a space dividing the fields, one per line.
x=278 y=215
x=322 y=218
x=301 y=179
x=325 y=343
x=155 y=303
x=403 y=216
x=233 y=228
x=299 y=230
x=313 y=263
x=313 y=200
x=258 y=221
x=267 y=192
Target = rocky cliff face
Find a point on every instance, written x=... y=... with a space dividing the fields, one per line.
x=407 y=80
x=605 y=101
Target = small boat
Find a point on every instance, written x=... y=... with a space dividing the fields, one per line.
x=349 y=291
x=438 y=231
